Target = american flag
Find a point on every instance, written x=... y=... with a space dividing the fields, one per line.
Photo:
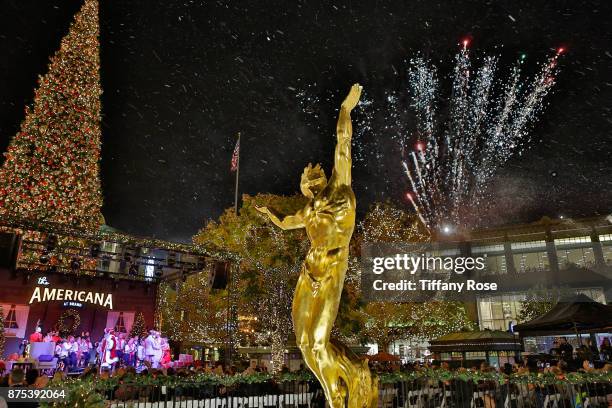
x=236 y=155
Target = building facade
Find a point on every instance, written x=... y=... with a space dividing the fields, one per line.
x=572 y=255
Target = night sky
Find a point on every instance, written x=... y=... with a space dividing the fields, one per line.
x=180 y=78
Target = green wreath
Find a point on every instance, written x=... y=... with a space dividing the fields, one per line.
x=76 y=322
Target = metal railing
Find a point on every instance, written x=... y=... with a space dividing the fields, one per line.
x=185 y=395
x=458 y=393
x=417 y=393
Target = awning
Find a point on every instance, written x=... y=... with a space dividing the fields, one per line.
x=578 y=314
x=485 y=340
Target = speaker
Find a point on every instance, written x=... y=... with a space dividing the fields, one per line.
x=219 y=275
x=9 y=248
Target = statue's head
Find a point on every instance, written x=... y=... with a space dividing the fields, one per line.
x=313 y=180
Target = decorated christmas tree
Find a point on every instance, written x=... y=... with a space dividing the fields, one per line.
x=51 y=168
x=139 y=326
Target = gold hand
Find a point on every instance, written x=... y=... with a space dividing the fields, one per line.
x=352 y=99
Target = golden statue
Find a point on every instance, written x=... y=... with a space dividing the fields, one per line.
x=329 y=219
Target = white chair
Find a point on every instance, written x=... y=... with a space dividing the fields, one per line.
x=270 y=400
x=478 y=395
x=304 y=399
x=414 y=399
x=286 y=400
x=552 y=400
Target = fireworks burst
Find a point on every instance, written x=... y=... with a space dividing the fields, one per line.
x=486 y=123
x=451 y=150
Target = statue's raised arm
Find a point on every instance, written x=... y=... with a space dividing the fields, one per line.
x=288 y=222
x=344 y=131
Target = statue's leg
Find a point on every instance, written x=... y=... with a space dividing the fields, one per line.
x=302 y=322
x=330 y=364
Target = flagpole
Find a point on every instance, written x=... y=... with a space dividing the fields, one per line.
x=229 y=316
x=237 y=176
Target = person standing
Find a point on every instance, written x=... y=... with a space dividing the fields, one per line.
x=129 y=351
x=606 y=349
x=63 y=350
x=152 y=349
x=166 y=358
x=566 y=349
x=140 y=354
x=109 y=349
x=120 y=346
x=37 y=336
x=73 y=352
x=85 y=348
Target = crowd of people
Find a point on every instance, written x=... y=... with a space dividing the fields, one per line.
x=75 y=352
x=588 y=351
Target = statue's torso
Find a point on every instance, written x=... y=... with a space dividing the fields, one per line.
x=329 y=220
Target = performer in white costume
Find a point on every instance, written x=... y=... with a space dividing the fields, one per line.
x=153 y=349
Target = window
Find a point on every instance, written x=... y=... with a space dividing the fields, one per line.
x=529 y=245
x=597 y=294
x=607 y=254
x=10 y=321
x=107 y=260
x=572 y=241
x=531 y=262
x=120 y=324
x=582 y=257
x=605 y=238
x=150 y=269
x=487 y=249
x=444 y=252
x=496 y=265
x=497 y=312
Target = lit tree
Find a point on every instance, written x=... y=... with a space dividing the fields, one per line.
x=385 y=222
x=431 y=320
x=388 y=322
x=139 y=327
x=194 y=312
x=271 y=260
x=385 y=322
x=51 y=168
x=539 y=300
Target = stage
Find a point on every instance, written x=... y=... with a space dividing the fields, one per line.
x=77 y=304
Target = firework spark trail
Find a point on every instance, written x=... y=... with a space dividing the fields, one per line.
x=457 y=123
